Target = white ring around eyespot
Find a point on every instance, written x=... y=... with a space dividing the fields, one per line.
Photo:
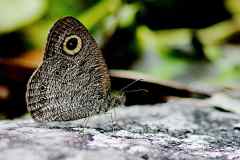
x=78 y=47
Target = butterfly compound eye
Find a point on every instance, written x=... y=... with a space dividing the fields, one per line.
x=72 y=45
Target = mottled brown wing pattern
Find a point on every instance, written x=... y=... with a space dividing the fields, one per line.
x=73 y=80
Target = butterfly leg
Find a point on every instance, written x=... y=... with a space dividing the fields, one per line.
x=113 y=116
x=85 y=122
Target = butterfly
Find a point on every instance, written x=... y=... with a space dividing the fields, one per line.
x=73 y=81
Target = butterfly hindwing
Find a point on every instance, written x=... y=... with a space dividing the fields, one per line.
x=73 y=80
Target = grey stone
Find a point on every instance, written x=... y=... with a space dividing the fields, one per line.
x=178 y=130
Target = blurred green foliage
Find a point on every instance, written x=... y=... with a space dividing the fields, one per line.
x=167 y=53
x=16 y=14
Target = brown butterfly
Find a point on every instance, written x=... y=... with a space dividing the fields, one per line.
x=73 y=80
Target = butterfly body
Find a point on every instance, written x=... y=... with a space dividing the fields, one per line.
x=73 y=80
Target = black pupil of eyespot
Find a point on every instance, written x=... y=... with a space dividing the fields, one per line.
x=72 y=43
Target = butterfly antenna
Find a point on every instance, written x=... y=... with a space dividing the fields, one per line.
x=130 y=84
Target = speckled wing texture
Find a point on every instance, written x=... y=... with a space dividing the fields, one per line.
x=69 y=87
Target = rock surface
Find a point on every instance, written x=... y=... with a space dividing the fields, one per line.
x=173 y=131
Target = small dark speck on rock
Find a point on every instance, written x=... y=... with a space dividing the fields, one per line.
x=145 y=157
x=237 y=128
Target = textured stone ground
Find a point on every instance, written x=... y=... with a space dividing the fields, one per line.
x=172 y=131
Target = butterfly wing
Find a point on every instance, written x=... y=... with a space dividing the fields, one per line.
x=71 y=83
